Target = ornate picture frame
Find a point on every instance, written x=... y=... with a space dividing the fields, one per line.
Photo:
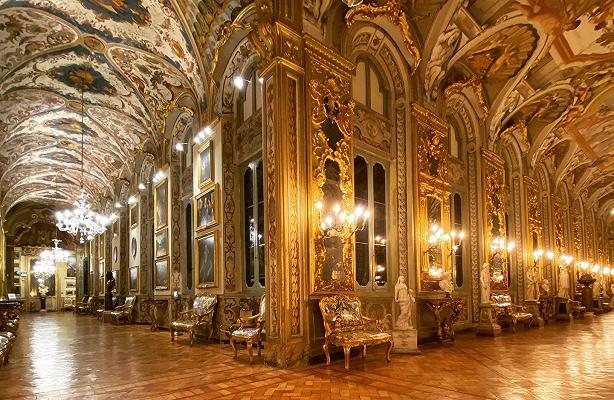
x=134 y=215
x=206 y=205
x=161 y=243
x=161 y=204
x=205 y=164
x=161 y=272
x=206 y=260
x=134 y=279
x=134 y=246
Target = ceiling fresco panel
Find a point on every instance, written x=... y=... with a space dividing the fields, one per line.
x=27 y=32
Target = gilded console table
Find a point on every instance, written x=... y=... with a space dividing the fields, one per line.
x=445 y=327
x=155 y=309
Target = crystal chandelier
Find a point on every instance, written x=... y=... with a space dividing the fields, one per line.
x=82 y=221
x=42 y=270
x=56 y=254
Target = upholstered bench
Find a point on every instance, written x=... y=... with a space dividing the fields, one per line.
x=506 y=310
x=345 y=326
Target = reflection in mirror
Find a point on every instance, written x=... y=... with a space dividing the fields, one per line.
x=434 y=211
x=333 y=262
x=332 y=133
x=496 y=226
x=433 y=205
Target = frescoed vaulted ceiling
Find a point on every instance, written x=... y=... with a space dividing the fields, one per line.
x=131 y=58
x=546 y=63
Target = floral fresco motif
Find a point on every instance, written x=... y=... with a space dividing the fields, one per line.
x=149 y=25
x=59 y=73
x=18 y=106
x=25 y=32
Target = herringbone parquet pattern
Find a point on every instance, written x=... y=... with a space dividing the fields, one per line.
x=63 y=356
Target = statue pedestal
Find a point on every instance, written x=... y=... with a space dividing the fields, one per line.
x=405 y=341
x=488 y=325
x=563 y=309
x=533 y=307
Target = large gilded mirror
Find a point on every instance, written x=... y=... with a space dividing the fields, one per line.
x=331 y=186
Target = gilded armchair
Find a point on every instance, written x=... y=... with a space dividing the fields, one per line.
x=506 y=310
x=250 y=335
x=85 y=305
x=200 y=315
x=124 y=312
x=345 y=326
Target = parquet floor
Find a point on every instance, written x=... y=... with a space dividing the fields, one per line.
x=63 y=356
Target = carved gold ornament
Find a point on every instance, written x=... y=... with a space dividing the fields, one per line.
x=328 y=105
x=474 y=83
x=395 y=14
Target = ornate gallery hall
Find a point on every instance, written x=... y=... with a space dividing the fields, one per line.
x=315 y=199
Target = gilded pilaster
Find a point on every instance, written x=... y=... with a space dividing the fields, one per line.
x=284 y=181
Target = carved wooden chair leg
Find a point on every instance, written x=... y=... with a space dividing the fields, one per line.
x=390 y=346
x=514 y=322
x=259 y=344
x=346 y=356
x=233 y=344
x=172 y=335
x=191 y=338
x=364 y=351
x=326 y=352
x=210 y=333
x=250 y=350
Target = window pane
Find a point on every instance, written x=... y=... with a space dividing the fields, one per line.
x=361 y=199
x=249 y=226
x=454 y=143
x=248 y=102
x=376 y=92
x=359 y=83
x=379 y=224
x=188 y=247
x=458 y=226
x=260 y=238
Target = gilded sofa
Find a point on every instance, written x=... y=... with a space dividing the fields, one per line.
x=345 y=326
x=200 y=315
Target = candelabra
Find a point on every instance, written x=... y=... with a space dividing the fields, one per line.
x=436 y=238
x=341 y=223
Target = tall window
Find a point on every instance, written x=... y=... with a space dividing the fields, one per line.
x=368 y=88
x=251 y=99
x=188 y=247
x=370 y=186
x=253 y=223
x=454 y=142
x=186 y=157
x=457 y=225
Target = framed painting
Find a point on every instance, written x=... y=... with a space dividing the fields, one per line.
x=205 y=164
x=161 y=204
x=161 y=239
x=161 y=278
x=133 y=247
x=101 y=270
x=115 y=254
x=134 y=279
x=206 y=259
x=71 y=267
x=206 y=206
x=134 y=215
x=101 y=246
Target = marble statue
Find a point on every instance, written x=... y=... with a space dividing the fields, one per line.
x=108 y=296
x=485 y=283
x=544 y=287
x=446 y=284
x=532 y=284
x=405 y=299
x=563 y=291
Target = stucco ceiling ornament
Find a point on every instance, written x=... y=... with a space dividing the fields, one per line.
x=437 y=66
x=391 y=10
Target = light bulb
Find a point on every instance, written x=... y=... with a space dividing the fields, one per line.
x=179 y=146
x=238 y=82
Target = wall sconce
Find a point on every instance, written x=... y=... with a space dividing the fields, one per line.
x=338 y=222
